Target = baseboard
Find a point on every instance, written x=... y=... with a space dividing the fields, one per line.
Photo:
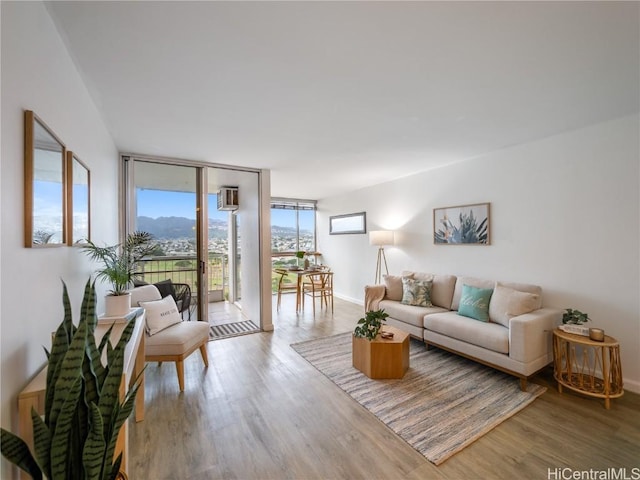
x=358 y=301
x=630 y=385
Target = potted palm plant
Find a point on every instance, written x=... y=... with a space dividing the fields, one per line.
x=120 y=266
x=83 y=414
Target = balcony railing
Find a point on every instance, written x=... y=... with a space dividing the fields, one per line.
x=184 y=269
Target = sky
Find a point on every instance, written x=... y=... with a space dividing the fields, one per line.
x=160 y=203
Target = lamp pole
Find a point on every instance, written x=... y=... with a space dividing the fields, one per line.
x=380 y=238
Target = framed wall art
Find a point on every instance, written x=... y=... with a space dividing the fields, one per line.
x=462 y=225
x=348 y=223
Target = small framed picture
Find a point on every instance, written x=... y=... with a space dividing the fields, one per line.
x=348 y=223
x=462 y=225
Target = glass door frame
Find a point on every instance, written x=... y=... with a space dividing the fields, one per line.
x=126 y=198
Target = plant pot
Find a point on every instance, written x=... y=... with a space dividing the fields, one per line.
x=117 y=305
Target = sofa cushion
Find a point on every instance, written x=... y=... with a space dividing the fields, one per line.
x=442 y=287
x=416 y=292
x=408 y=313
x=393 y=284
x=525 y=287
x=178 y=339
x=474 y=302
x=471 y=281
x=492 y=336
x=507 y=303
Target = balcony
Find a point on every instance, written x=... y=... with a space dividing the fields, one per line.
x=184 y=269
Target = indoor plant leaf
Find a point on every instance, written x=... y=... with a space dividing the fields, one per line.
x=17 y=451
x=41 y=442
x=94 y=448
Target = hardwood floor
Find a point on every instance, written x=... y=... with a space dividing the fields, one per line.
x=260 y=411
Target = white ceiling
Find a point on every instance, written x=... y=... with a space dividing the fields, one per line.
x=335 y=96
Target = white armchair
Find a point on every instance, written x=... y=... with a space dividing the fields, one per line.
x=169 y=338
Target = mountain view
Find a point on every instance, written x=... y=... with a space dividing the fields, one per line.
x=176 y=235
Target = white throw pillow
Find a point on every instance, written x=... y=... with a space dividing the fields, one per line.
x=160 y=314
x=507 y=303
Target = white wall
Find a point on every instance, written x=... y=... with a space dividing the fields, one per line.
x=251 y=186
x=565 y=215
x=38 y=75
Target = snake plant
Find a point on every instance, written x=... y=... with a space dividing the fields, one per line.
x=83 y=413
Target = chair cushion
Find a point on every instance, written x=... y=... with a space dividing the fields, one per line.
x=160 y=314
x=145 y=293
x=177 y=339
x=165 y=287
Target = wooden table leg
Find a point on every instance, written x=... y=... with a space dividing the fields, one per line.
x=138 y=370
x=299 y=293
x=606 y=378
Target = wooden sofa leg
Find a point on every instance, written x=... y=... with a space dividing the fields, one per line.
x=203 y=352
x=523 y=384
x=427 y=345
x=180 y=369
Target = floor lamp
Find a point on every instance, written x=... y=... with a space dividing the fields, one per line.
x=380 y=238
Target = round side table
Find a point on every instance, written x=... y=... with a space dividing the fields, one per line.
x=587 y=366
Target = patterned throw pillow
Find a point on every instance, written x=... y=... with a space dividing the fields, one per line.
x=416 y=292
x=474 y=302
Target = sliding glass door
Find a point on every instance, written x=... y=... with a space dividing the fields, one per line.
x=166 y=205
x=205 y=242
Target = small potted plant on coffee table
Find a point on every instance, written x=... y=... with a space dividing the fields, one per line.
x=369 y=326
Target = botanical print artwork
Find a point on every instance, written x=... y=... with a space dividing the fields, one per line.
x=466 y=224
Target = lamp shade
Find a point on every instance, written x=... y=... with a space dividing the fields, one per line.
x=381 y=237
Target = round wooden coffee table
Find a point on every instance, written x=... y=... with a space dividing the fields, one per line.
x=587 y=366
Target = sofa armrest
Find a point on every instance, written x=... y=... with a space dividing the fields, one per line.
x=530 y=334
x=372 y=296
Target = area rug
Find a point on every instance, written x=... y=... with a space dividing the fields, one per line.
x=443 y=403
x=218 y=332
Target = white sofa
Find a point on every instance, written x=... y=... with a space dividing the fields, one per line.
x=512 y=341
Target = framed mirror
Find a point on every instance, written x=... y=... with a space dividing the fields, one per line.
x=44 y=185
x=78 y=200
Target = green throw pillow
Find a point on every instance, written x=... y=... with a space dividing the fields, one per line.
x=474 y=302
x=416 y=292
